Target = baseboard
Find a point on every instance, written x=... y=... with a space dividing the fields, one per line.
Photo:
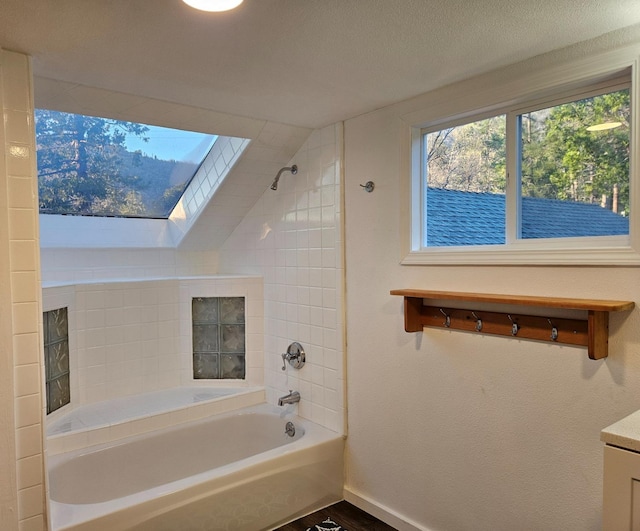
x=387 y=515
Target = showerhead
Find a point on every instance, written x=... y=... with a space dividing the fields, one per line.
x=293 y=169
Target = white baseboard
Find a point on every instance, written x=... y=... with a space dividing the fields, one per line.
x=387 y=515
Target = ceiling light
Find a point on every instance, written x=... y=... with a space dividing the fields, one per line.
x=213 y=5
x=604 y=126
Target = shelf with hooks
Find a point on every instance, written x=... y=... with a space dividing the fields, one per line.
x=592 y=331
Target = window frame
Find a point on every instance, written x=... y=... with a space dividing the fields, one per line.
x=531 y=91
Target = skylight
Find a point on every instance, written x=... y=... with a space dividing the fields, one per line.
x=91 y=166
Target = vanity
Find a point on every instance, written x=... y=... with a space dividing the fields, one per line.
x=621 y=486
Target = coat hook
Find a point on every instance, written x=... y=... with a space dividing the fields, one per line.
x=515 y=327
x=478 y=322
x=368 y=186
x=554 y=331
x=447 y=318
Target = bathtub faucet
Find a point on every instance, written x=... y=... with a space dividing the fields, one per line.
x=291 y=398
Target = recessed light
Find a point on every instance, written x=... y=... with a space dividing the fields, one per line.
x=213 y=5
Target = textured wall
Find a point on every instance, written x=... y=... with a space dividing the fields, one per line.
x=455 y=431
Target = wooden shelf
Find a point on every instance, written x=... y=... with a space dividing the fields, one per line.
x=592 y=332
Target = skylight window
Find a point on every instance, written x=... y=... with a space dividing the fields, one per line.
x=91 y=166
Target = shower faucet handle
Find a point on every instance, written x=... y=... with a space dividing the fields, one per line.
x=294 y=355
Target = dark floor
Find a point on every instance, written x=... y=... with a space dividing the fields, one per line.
x=343 y=513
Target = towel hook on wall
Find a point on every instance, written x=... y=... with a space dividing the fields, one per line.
x=368 y=186
x=515 y=327
x=478 y=322
x=447 y=318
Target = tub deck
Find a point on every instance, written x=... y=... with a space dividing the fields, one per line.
x=113 y=420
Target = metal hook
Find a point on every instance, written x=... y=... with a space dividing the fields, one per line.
x=515 y=327
x=478 y=322
x=368 y=186
x=447 y=318
x=554 y=331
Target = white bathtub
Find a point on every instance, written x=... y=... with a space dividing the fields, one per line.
x=236 y=471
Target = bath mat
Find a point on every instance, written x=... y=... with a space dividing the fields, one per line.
x=327 y=525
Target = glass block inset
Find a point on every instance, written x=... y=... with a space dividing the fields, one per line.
x=56 y=358
x=218 y=325
x=232 y=366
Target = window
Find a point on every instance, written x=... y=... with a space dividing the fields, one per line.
x=218 y=337
x=93 y=166
x=56 y=358
x=465 y=172
x=548 y=174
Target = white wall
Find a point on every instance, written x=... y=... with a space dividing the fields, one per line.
x=454 y=431
x=21 y=405
x=293 y=238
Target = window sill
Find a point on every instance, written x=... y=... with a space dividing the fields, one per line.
x=499 y=255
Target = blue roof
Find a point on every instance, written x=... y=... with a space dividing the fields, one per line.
x=473 y=218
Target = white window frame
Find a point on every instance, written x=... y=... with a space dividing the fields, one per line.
x=529 y=92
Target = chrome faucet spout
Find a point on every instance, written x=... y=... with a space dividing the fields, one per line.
x=291 y=398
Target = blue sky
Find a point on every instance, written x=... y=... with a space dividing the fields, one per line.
x=173 y=144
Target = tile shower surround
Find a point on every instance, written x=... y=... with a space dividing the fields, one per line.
x=293 y=238
x=132 y=337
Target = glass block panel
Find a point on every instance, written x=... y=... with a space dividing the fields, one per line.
x=232 y=338
x=232 y=366
x=58 y=327
x=218 y=337
x=56 y=358
x=231 y=310
x=205 y=338
x=205 y=309
x=205 y=366
x=58 y=393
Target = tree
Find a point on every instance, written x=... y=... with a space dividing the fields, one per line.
x=562 y=159
x=469 y=157
x=79 y=165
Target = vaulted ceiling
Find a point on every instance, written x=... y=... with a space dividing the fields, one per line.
x=306 y=63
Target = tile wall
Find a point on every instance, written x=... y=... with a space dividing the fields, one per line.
x=132 y=337
x=293 y=238
x=22 y=501
x=98 y=265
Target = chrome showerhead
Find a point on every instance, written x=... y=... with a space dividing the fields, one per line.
x=293 y=169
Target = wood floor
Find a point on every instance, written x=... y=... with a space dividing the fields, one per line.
x=348 y=516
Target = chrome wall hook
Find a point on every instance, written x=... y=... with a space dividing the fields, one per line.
x=478 y=322
x=369 y=186
x=554 y=331
x=515 y=327
x=447 y=318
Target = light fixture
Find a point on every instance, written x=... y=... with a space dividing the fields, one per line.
x=604 y=126
x=213 y=5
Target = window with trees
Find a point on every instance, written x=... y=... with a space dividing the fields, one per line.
x=92 y=166
x=552 y=172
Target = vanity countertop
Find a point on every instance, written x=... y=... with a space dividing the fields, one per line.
x=625 y=433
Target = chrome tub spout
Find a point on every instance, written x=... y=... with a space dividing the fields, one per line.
x=291 y=398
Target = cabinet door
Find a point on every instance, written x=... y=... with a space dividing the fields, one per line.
x=621 y=501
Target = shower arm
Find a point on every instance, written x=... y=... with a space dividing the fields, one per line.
x=293 y=169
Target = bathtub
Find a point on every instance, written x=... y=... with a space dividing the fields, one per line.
x=235 y=471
